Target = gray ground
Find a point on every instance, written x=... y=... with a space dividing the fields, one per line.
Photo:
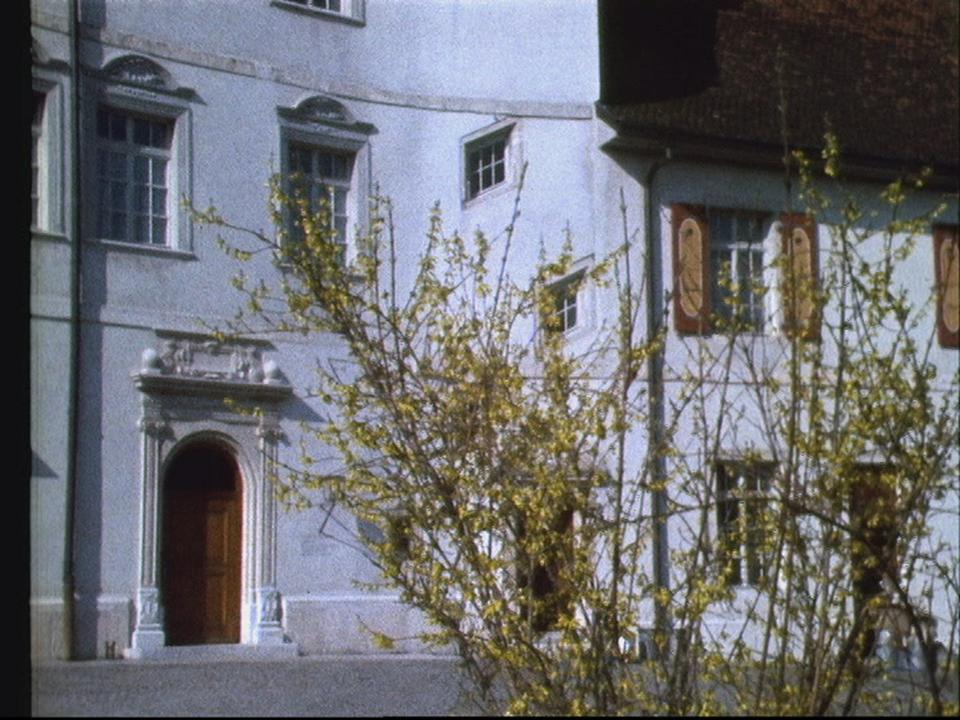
x=346 y=685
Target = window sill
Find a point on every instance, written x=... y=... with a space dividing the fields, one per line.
x=488 y=194
x=41 y=234
x=318 y=12
x=141 y=249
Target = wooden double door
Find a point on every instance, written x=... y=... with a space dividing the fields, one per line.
x=201 y=552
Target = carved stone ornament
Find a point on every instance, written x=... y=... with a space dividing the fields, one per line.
x=269 y=606
x=193 y=364
x=135 y=70
x=148 y=607
x=209 y=359
x=324 y=109
x=152 y=426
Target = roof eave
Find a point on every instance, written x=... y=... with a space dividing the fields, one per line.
x=657 y=141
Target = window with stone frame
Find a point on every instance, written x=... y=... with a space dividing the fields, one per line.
x=345 y=9
x=322 y=178
x=742 y=490
x=133 y=154
x=562 y=313
x=489 y=161
x=37 y=157
x=325 y=169
x=722 y=269
x=737 y=261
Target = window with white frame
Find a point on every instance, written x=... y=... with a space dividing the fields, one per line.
x=139 y=156
x=133 y=156
x=563 y=313
x=37 y=157
x=488 y=161
x=346 y=9
x=322 y=178
x=737 y=258
x=324 y=158
x=741 y=508
x=46 y=151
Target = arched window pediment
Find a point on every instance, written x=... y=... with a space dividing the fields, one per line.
x=324 y=110
x=142 y=72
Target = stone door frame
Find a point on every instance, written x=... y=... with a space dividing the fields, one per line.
x=185 y=402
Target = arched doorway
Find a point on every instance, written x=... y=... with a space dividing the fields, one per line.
x=201 y=553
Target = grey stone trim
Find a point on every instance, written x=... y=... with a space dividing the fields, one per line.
x=314 y=82
x=183 y=381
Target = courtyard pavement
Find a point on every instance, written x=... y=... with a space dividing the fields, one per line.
x=343 y=685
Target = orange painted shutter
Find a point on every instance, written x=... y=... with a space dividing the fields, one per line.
x=691 y=276
x=946 y=249
x=800 y=273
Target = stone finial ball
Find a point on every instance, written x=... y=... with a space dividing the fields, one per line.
x=150 y=360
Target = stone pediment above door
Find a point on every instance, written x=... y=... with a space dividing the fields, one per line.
x=189 y=363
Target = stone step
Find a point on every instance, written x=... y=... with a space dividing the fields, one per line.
x=212 y=653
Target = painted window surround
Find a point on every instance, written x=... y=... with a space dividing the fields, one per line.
x=326 y=124
x=351 y=11
x=135 y=84
x=510 y=130
x=777 y=315
x=50 y=219
x=585 y=300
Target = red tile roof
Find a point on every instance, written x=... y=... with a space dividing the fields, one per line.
x=882 y=73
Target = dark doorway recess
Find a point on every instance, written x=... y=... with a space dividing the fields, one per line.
x=201 y=552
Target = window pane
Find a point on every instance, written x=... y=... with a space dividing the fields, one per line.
x=103 y=229
x=159 y=176
x=159 y=231
x=141 y=170
x=118 y=226
x=721 y=229
x=118 y=126
x=118 y=196
x=339 y=201
x=39 y=100
x=141 y=229
x=140 y=199
x=299 y=160
x=160 y=134
x=141 y=131
x=159 y=201
x=118 y=166
x=323 y=164
x=103 y=164
x=103 y=123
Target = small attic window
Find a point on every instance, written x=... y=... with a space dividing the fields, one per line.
x=351 y=10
